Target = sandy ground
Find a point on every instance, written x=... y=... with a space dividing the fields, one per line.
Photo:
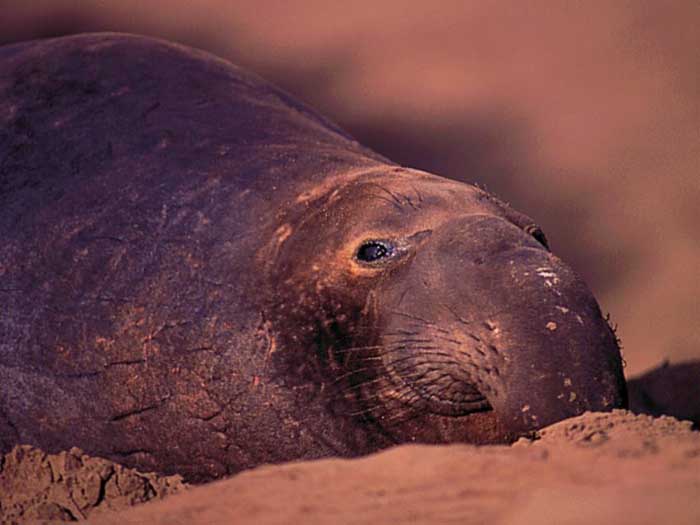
x=598 y=468
x=584 y=115
x=40 y=487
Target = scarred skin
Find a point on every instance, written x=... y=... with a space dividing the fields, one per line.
x=183 y=287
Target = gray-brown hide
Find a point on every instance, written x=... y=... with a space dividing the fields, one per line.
x=199 y=275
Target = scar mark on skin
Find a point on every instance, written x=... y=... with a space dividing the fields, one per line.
x=335 y=181
x=545 y=272
x=282 y=233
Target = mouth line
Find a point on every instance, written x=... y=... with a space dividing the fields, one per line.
x=451 y=407
x=446 y=393
x=430 y=400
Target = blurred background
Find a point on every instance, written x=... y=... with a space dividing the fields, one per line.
x=584 y=115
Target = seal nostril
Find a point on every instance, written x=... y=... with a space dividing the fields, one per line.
x=537 y=234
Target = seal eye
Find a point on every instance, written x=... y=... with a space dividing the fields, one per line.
x=372 y=251
x=538 y=235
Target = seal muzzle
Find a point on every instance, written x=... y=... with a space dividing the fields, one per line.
x=501 y=323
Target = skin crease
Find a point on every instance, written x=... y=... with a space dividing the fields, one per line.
x=182 y=290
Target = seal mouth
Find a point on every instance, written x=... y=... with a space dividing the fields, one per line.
x=452 y=404
x=434 y=389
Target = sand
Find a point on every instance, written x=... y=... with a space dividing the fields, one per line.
x=37 y=487
x=598 y=468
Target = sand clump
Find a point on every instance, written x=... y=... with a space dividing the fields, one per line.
x=594 y=469
x=36 y=487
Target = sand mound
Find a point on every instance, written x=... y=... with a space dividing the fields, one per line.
x=36 y=487
x=594 y=469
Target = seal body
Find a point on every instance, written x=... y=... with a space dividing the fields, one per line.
x=199 y=275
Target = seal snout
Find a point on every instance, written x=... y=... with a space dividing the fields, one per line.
x=515 y=327
x=561 y=357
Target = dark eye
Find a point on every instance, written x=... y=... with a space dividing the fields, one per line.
x=372 y=251
x=538 y=235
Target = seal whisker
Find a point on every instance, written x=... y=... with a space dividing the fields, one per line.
x=449 y=340
x=379 y=413
x=356 y=349
x=433 y=350
x=370 y=381
x=455 y=314
x=354 y=372
x=414 y=317
x=373 y=404
x=358 y=384
x=394 y=204
x=379 y=350
x=389 y=392
x=401 y=417
x=391 y=194
x=402 y=332
x=418 y=196
x=408 y=341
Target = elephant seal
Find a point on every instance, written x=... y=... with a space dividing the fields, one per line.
x=199 y=275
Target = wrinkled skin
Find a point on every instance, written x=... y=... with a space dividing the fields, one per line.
x=186 y=289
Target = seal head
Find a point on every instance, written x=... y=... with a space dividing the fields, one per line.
x=440 y=311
